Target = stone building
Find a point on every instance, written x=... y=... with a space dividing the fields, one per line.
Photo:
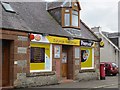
x=39 y=48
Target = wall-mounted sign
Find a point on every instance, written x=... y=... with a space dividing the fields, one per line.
x=101 y=44
x=53 y=39
x=86 y=43
x=62 y=40
x=38 y=38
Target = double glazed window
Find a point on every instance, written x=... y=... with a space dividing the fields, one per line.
x=67 y=17
x=75 y=18
x=71 y=18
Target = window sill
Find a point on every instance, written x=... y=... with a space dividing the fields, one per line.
x=71 y=27
x=34 y=74
x=87 y=70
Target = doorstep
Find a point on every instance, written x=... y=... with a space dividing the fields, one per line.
x=66 y=81
x=6 y=88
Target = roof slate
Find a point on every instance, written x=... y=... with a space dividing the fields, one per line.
x=33 y=17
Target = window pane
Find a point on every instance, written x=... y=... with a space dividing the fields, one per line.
x=67 y=19
x=77 y=52
x=37 y=55
x=66 y=10
x=74 y=20
x=7 y=7
x=75 y=12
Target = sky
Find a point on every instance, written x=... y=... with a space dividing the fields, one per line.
x=103 y=13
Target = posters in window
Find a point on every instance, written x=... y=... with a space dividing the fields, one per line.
x=56 y=51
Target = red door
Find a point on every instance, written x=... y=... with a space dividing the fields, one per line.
x=5 y=63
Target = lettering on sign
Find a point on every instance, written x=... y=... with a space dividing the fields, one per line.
x=22 y=38
x=22 y=50
x=64 y=41
x=86 y=43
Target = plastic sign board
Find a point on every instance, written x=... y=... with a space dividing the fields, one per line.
x=86 y=43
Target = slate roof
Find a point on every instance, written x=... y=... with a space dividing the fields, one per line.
x=33 y=17
x=116 y=34
x=87 y=32
x=84 y=33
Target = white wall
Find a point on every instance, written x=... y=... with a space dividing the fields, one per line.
x=107 y=53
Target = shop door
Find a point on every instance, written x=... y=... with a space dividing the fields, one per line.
x=5 y=63
x=64 y=65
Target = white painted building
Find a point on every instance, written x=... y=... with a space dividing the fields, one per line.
x=108 y=53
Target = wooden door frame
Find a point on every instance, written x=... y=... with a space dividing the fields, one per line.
x=11 y=61
x=69 y=50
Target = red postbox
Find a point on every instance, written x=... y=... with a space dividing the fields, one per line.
x=102 y=71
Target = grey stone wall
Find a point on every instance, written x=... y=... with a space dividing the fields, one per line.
x=91 y=74
x=86 y=76
x=34 y=80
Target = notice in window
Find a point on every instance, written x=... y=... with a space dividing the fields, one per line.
x=56 y=51
x=37 y=55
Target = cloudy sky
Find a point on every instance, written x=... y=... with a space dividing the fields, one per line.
x=103 y=13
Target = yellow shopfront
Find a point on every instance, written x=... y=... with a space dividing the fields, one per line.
x=43 y=49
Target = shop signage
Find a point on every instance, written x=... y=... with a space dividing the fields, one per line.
x=61 y=40
x=101 y=44
x=86 y=43
x=53 y=39
x=38 y=38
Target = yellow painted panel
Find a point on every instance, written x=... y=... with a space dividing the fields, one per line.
x=86 y=57
x=61 y=40
x=40 y=66
x=37 y=66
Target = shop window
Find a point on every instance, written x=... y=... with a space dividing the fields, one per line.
x=40 y=57
x=37 y=55
x=87 y=58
